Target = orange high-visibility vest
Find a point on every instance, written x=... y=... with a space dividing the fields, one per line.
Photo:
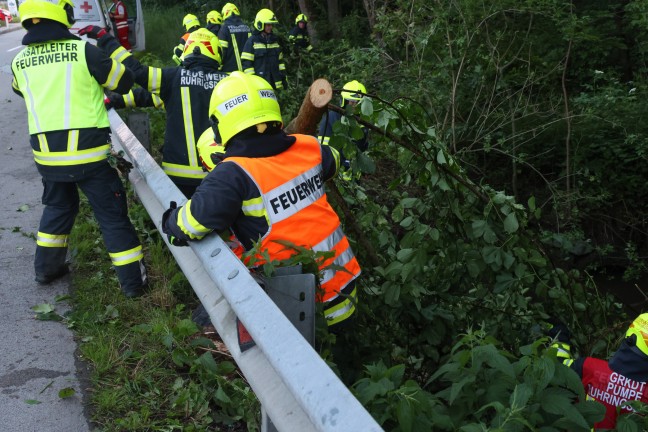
x=294 y=203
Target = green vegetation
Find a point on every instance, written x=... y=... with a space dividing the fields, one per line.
x=505 y=173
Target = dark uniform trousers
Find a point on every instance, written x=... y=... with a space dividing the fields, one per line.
x=107 y=197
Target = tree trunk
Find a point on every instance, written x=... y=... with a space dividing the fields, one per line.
x=370 y=8
x=333 y=16
x=313 y=107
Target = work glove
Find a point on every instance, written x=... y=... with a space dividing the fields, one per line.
x=93 y=32
x=108 y=103
x=165 y=216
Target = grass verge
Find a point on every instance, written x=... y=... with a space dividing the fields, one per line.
x=152 y=369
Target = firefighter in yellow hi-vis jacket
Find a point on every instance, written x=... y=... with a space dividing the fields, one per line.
x=62 y=79
x=269 y=188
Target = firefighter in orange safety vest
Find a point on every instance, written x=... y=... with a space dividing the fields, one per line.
x=269 y=188
x=185 y=91
x=70 y=138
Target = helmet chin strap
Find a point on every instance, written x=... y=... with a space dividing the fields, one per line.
x=69 y=10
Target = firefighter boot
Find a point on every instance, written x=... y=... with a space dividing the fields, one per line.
x=132 y=279
x=50 y=264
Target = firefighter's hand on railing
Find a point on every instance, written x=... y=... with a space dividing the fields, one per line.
x=175 y=241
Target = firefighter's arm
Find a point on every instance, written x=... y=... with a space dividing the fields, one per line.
x=137 y=97
x=213 y=207
x=224 y=37
x=330 y=162
x=14 y=87
x=247 y=57
x=108 y=72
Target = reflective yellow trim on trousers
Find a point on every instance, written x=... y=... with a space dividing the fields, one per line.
x=127 y=257
x=51 y=240
x=343 y=310
x=186 y=171
x=71 y=158
x=189 y=225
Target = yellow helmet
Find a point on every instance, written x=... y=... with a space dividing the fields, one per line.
x=202 y=42
x=263 y=17
x=240 y=101
x=190 y=21
x=229 y=9
x=353 y=90
x=56 y=10
x=639 y=327
x=214 y=17
x=301 y=17
x=210 y=152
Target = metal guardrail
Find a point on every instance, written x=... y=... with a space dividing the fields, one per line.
x=297 y=389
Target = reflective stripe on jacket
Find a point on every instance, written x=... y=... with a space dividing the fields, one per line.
x=294 y=204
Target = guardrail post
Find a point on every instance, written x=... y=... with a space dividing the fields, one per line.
x=139 y=124
x=294 y=294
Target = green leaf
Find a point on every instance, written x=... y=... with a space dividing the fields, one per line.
x=521 y=395
x=479 y=227
x=556 y=400
x=43 y=308
x=222 y=396
x=23 y=208
x=392 y=294
x=32 y=401
x=66 y=393
x=441 y=159
x=357 y=133
x=366 y=107
x=511 y=223
x=365 y=163
x=456 y=388
x=404 y=415
x=405 y=255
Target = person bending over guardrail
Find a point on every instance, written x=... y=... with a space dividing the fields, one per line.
x=268 y=188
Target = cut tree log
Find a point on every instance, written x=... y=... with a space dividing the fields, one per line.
x=313 y=107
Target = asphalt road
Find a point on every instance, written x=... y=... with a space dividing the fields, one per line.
x=37 y=358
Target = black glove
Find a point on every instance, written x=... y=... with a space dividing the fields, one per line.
x=93 y=32
x=165 y=216
x=108 y=103
x=559 y=331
